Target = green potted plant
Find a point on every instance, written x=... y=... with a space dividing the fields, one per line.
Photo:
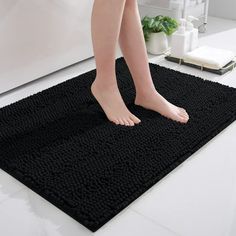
x=155 y=30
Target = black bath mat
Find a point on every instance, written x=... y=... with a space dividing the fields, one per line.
x=59 y=143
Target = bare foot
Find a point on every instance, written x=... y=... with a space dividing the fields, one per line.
x=154 y=101
x=109 y=98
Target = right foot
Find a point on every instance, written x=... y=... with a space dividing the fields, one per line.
x=112 y=104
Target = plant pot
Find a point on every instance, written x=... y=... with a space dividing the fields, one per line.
x=157 y=43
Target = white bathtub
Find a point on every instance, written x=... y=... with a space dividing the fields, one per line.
x=40 y=37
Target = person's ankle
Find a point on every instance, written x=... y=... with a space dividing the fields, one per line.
x=103 y=83
x=144 y=93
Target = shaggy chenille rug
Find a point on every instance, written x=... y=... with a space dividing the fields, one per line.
x=59 y=143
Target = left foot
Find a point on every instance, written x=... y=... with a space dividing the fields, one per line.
x=154 y=101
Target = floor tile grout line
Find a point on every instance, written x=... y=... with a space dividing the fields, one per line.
x=155 y=222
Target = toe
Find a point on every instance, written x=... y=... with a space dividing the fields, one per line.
x=121 y=122
x=184 y=119
x=183 y=113
x=131 y=123
x=178 y=117
x=116 y=121
x=135 y=119
x=186 y=115
x=126 y=122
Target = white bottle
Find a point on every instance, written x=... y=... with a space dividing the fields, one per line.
x=180 y=41
x=194 y=43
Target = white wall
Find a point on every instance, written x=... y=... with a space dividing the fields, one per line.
x=219 y=8
x=223 y=8
x=38 y=37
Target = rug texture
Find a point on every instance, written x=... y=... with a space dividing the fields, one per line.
x=59 y=143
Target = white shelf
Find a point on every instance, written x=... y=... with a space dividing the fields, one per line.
x=153 y=8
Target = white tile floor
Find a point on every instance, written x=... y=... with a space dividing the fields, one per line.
x=198 y=198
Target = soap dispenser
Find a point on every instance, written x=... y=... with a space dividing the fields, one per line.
x=193 y=32
x=180 y=41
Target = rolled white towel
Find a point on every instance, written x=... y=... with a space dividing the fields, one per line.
x=209 y=57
